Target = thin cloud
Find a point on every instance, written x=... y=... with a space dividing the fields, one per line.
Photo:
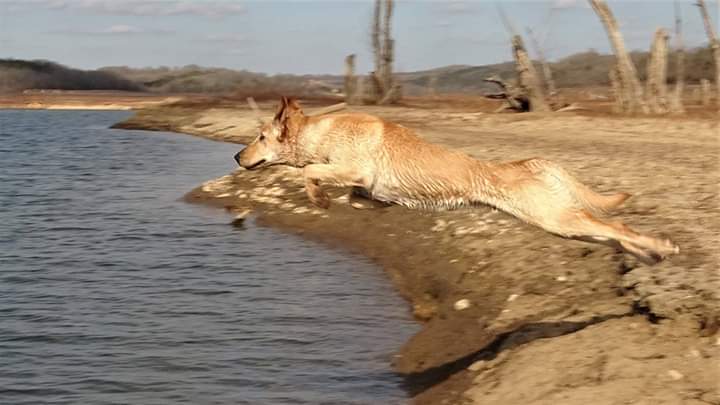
x=457 y=8
x=568 y=4
x=114 y=30
x=226 y=38
x=214 y=9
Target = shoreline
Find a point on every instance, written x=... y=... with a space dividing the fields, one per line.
x=528 y=292
x=83 y=100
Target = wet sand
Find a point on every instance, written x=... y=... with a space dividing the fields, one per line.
x=547 y=320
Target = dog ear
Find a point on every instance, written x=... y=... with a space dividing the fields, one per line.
x=281 y=111
x=293 y=104
x=287 y=108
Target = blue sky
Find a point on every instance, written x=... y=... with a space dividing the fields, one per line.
x=313 y=36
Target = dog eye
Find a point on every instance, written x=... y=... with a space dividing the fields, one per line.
x=262 y=137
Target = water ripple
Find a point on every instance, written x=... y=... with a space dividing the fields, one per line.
x=114 y=291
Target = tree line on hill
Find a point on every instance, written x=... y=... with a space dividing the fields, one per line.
x=585 y=69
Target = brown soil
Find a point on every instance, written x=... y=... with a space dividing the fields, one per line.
x=548 y=320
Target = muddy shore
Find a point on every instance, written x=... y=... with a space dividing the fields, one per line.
x=511 y=314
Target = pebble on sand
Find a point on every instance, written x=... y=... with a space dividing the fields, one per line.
x=440 y=225
x=461 y=304
x=477 y=366
x=675 y=375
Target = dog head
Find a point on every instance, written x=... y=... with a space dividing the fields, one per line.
x=275 y=142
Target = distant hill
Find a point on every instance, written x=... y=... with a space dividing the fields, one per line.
x=582 y=69
x=579 y=70
x=197 y=79
x=18 y=75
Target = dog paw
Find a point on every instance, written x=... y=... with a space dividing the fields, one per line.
x=668 y=247
x=321 y=200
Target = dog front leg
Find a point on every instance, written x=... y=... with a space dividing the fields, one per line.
x=328 y=173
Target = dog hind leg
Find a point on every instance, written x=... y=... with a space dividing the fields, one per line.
x=583 y=225
x=338 y=175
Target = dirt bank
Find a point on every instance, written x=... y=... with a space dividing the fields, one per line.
x=546 y=320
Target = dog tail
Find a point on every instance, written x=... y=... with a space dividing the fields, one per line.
x=588 y=198
x=599 y=202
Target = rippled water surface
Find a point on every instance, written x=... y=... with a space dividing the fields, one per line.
x=112 y=290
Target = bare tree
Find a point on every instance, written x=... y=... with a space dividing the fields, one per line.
x=528 y=77
x=432 y=85
x=656 y=86
x=528 y=95
x=705 y=92
x=547 y=72
x=351 y=81
x=676 y=101
x=618 y=92
x=385 y=88
x=714 y=43
x=628 y=78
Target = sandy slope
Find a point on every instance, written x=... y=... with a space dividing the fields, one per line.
x=549 y=320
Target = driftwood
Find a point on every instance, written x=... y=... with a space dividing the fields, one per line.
x=515 y=97
x=629 y=83
x=656 y=86
x=320 y=111
x=327 y=110
x=714 y=45
x=676 y=100
x=571 y=107
x=256 y=111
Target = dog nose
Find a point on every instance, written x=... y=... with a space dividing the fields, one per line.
x=237 y=157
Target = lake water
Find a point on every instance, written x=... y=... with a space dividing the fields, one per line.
x=112 y=290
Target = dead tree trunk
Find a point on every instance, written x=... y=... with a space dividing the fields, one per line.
x=696 y=96
x=529 y=94
x=626 y=69
x=620 y=104
x=386 y=90
x=714 y=44
x=360 y=91
x=676 y=101
x=656 y=86
x=528 y=77
x=432 y=85
x=350 y=80
x=705 y=92
x=547 y=72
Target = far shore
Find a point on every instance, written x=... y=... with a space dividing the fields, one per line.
x=83 y=100
x=511 y=314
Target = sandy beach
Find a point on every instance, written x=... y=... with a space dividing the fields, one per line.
x=511 y=314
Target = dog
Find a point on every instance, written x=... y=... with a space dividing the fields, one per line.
x=393 y=165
